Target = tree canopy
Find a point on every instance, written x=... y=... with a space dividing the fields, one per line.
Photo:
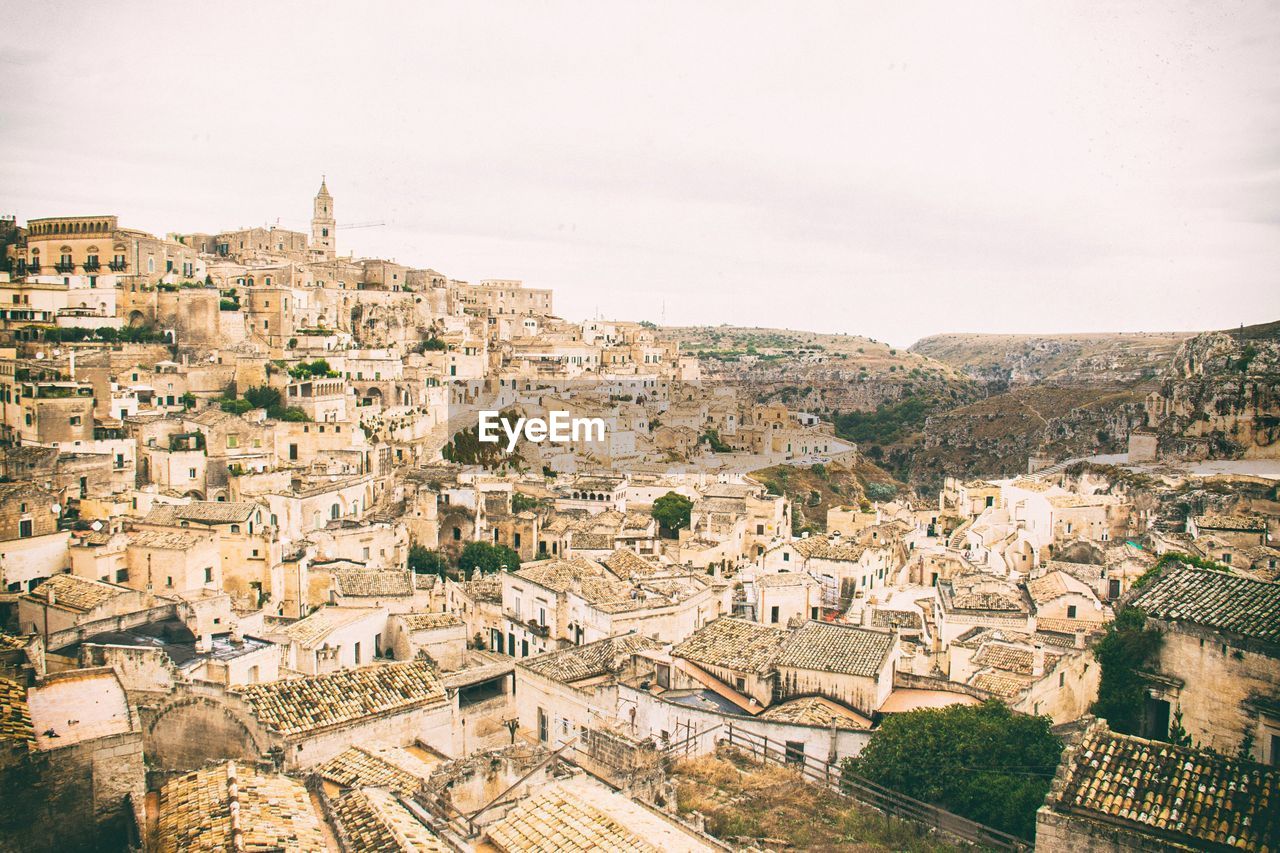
x=424 y=561
x=672 y=511
x=487 y=558
x=985 y=762
x=1122 y=651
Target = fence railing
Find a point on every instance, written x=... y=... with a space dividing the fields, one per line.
x=890 y=802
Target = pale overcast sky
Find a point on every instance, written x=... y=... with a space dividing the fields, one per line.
x=889 y=169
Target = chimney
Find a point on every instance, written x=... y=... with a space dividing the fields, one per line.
x=50 y=596
x=1037 y=661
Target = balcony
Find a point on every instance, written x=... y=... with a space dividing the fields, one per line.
x=117 y=266
x=92 y=266
x=64 y=267
x=538 y=630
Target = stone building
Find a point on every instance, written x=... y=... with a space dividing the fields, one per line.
x=1117 y=792
x=1218 y=661
x=71 y=764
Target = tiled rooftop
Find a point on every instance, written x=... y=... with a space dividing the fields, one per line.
x=1015 y=659
x=381 y=767
x=429 y=621
x=627 y=564
x=1189 y=797
x=598 y=658
x=816 y=711
x=166 y=540
x=233 y=807
x=372 y=583
x=1224 y=602
x=15 y=715
x=554 y=820
x=375 y=821
x=828 y=647
x=733 y=644
x=313 y=629
x=300 y=705
x=823 y=548
x=77 y=593
x=205 y=512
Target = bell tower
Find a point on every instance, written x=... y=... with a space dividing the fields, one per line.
x=324 y=228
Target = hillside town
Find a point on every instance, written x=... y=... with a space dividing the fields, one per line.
x=268 y=585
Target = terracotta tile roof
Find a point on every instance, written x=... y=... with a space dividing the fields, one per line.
x=1224 y=602
x=312 y=630
x=884 y=618
x=429 y=621
x=77 y=593
x=205 y=512
x=1015 y=659
x=486 y=588
x=1199 y=799
x=300 y=705
x=232 y=807
x=166 y=540
x=8 y=642
x=559 y=575
x=375 y=821
x=733 y=644
x=1002 y=684
x=821 y=547
x=422 y=580
x=827 y=647
x=378 y=766
x=816 y=711
x=554 y=820
x=373 y=583
x=15 y=715
x=598 y=658
x=784 y=579
x=627 y=564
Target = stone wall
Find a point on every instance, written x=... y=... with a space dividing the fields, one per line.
x=81 y=797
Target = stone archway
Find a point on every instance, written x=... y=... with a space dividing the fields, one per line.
x=192 y=731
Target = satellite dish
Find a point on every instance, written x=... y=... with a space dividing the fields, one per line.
x=55 y=508
x=97 y=525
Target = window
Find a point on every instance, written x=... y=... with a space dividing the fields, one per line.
x=795 y=752
x=357 y=653
x=1071 y=611
x=786 y=556
x=191 y=473
x=233 y=441
x=773 y=615
x=740 y=683
x=74 y=420
x=122 y=575
x=759 y=529
x=235 y=528
x=542 y=725
x=208 y=574
x=25 y=528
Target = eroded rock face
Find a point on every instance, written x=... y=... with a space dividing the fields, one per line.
x=1221 y=392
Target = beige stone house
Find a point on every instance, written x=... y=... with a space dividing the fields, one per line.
x=1218 y=661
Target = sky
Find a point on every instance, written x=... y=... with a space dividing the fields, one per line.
x=887 y=169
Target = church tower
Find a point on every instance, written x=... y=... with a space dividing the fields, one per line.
x=324 y=228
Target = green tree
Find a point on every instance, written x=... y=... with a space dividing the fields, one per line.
x=487 y=558
x=188 y=400
x=521 y=502
x=1125 y=648
x=424 y=561
x=672 y=511
x=984 y=762
x=262 y=397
